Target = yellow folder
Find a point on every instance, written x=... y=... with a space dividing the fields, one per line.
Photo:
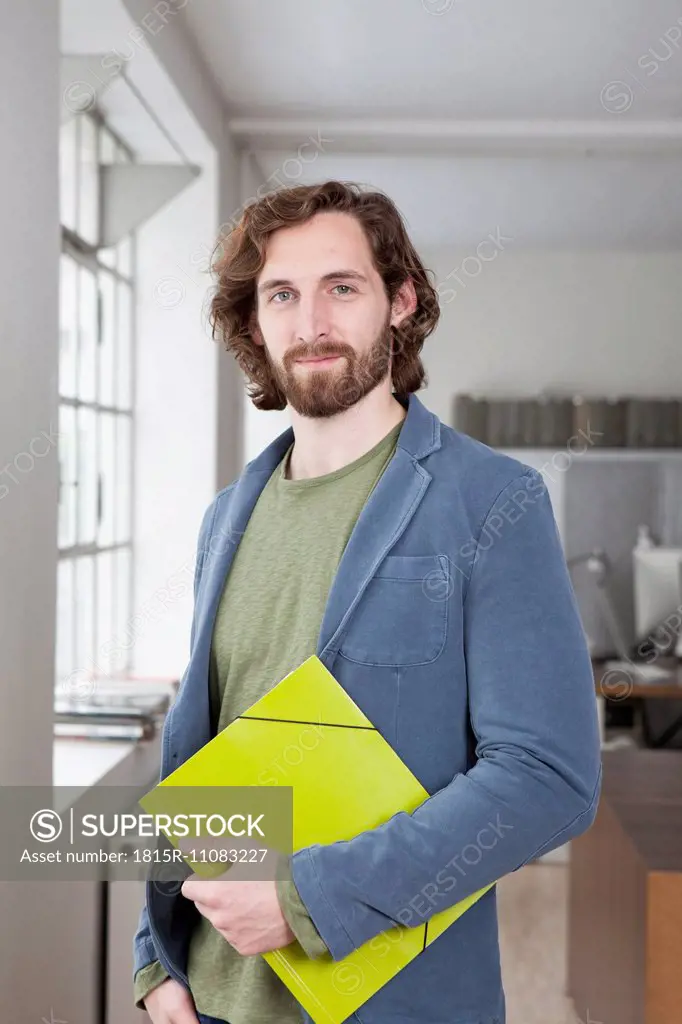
x=346 y=779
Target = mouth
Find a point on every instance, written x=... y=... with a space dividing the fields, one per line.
x=318 y=361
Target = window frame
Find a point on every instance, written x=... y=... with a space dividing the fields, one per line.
x=87 y=257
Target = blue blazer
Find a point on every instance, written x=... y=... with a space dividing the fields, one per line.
x=452 y=622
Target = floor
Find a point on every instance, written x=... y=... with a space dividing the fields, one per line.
x=532 y=915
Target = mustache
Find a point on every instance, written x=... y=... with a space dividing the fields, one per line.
x=320 y=352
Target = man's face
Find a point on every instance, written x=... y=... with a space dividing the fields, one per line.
x=319 y=295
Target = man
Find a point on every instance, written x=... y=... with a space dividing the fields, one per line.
x=426 y=572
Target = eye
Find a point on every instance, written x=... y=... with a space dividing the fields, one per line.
x=284 y=291
x=348 y=292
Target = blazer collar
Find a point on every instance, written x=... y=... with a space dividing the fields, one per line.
x=419 y=436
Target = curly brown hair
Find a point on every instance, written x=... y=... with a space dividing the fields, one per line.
x=241 y=257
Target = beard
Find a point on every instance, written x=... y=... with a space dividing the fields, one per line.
x=334 y=388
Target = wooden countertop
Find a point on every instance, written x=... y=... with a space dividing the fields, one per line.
x=619 y=684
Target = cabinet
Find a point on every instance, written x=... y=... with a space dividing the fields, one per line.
x=93 y=984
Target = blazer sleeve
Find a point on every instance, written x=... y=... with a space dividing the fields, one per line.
x=297 y=917
x=533 y=712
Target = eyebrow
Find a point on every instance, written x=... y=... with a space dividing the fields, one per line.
x=281 y=282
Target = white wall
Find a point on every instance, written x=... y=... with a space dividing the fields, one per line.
x=176 y=409
x=599 y=322
x=230 y=425
x=260 y=428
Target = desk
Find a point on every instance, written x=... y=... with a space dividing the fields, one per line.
x=661 y=721
x=625 y=894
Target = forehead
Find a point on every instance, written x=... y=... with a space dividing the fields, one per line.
x=324 y=243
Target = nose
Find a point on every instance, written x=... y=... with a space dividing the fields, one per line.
x=312 y=322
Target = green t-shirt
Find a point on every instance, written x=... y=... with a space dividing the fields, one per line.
x=267 y=623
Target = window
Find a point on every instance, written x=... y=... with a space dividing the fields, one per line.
x=96 y=386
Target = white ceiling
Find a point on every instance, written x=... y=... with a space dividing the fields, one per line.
x=560 y=124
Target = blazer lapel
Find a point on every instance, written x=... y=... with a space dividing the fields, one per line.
x=382 y=521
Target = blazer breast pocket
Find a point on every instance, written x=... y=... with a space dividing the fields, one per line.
x=401 y=618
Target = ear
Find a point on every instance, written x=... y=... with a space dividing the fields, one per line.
x=404 y=303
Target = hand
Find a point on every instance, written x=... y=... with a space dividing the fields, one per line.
x=246 y=913
x=170 y=1003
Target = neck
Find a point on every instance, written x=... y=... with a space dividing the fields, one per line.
x=324 y=445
